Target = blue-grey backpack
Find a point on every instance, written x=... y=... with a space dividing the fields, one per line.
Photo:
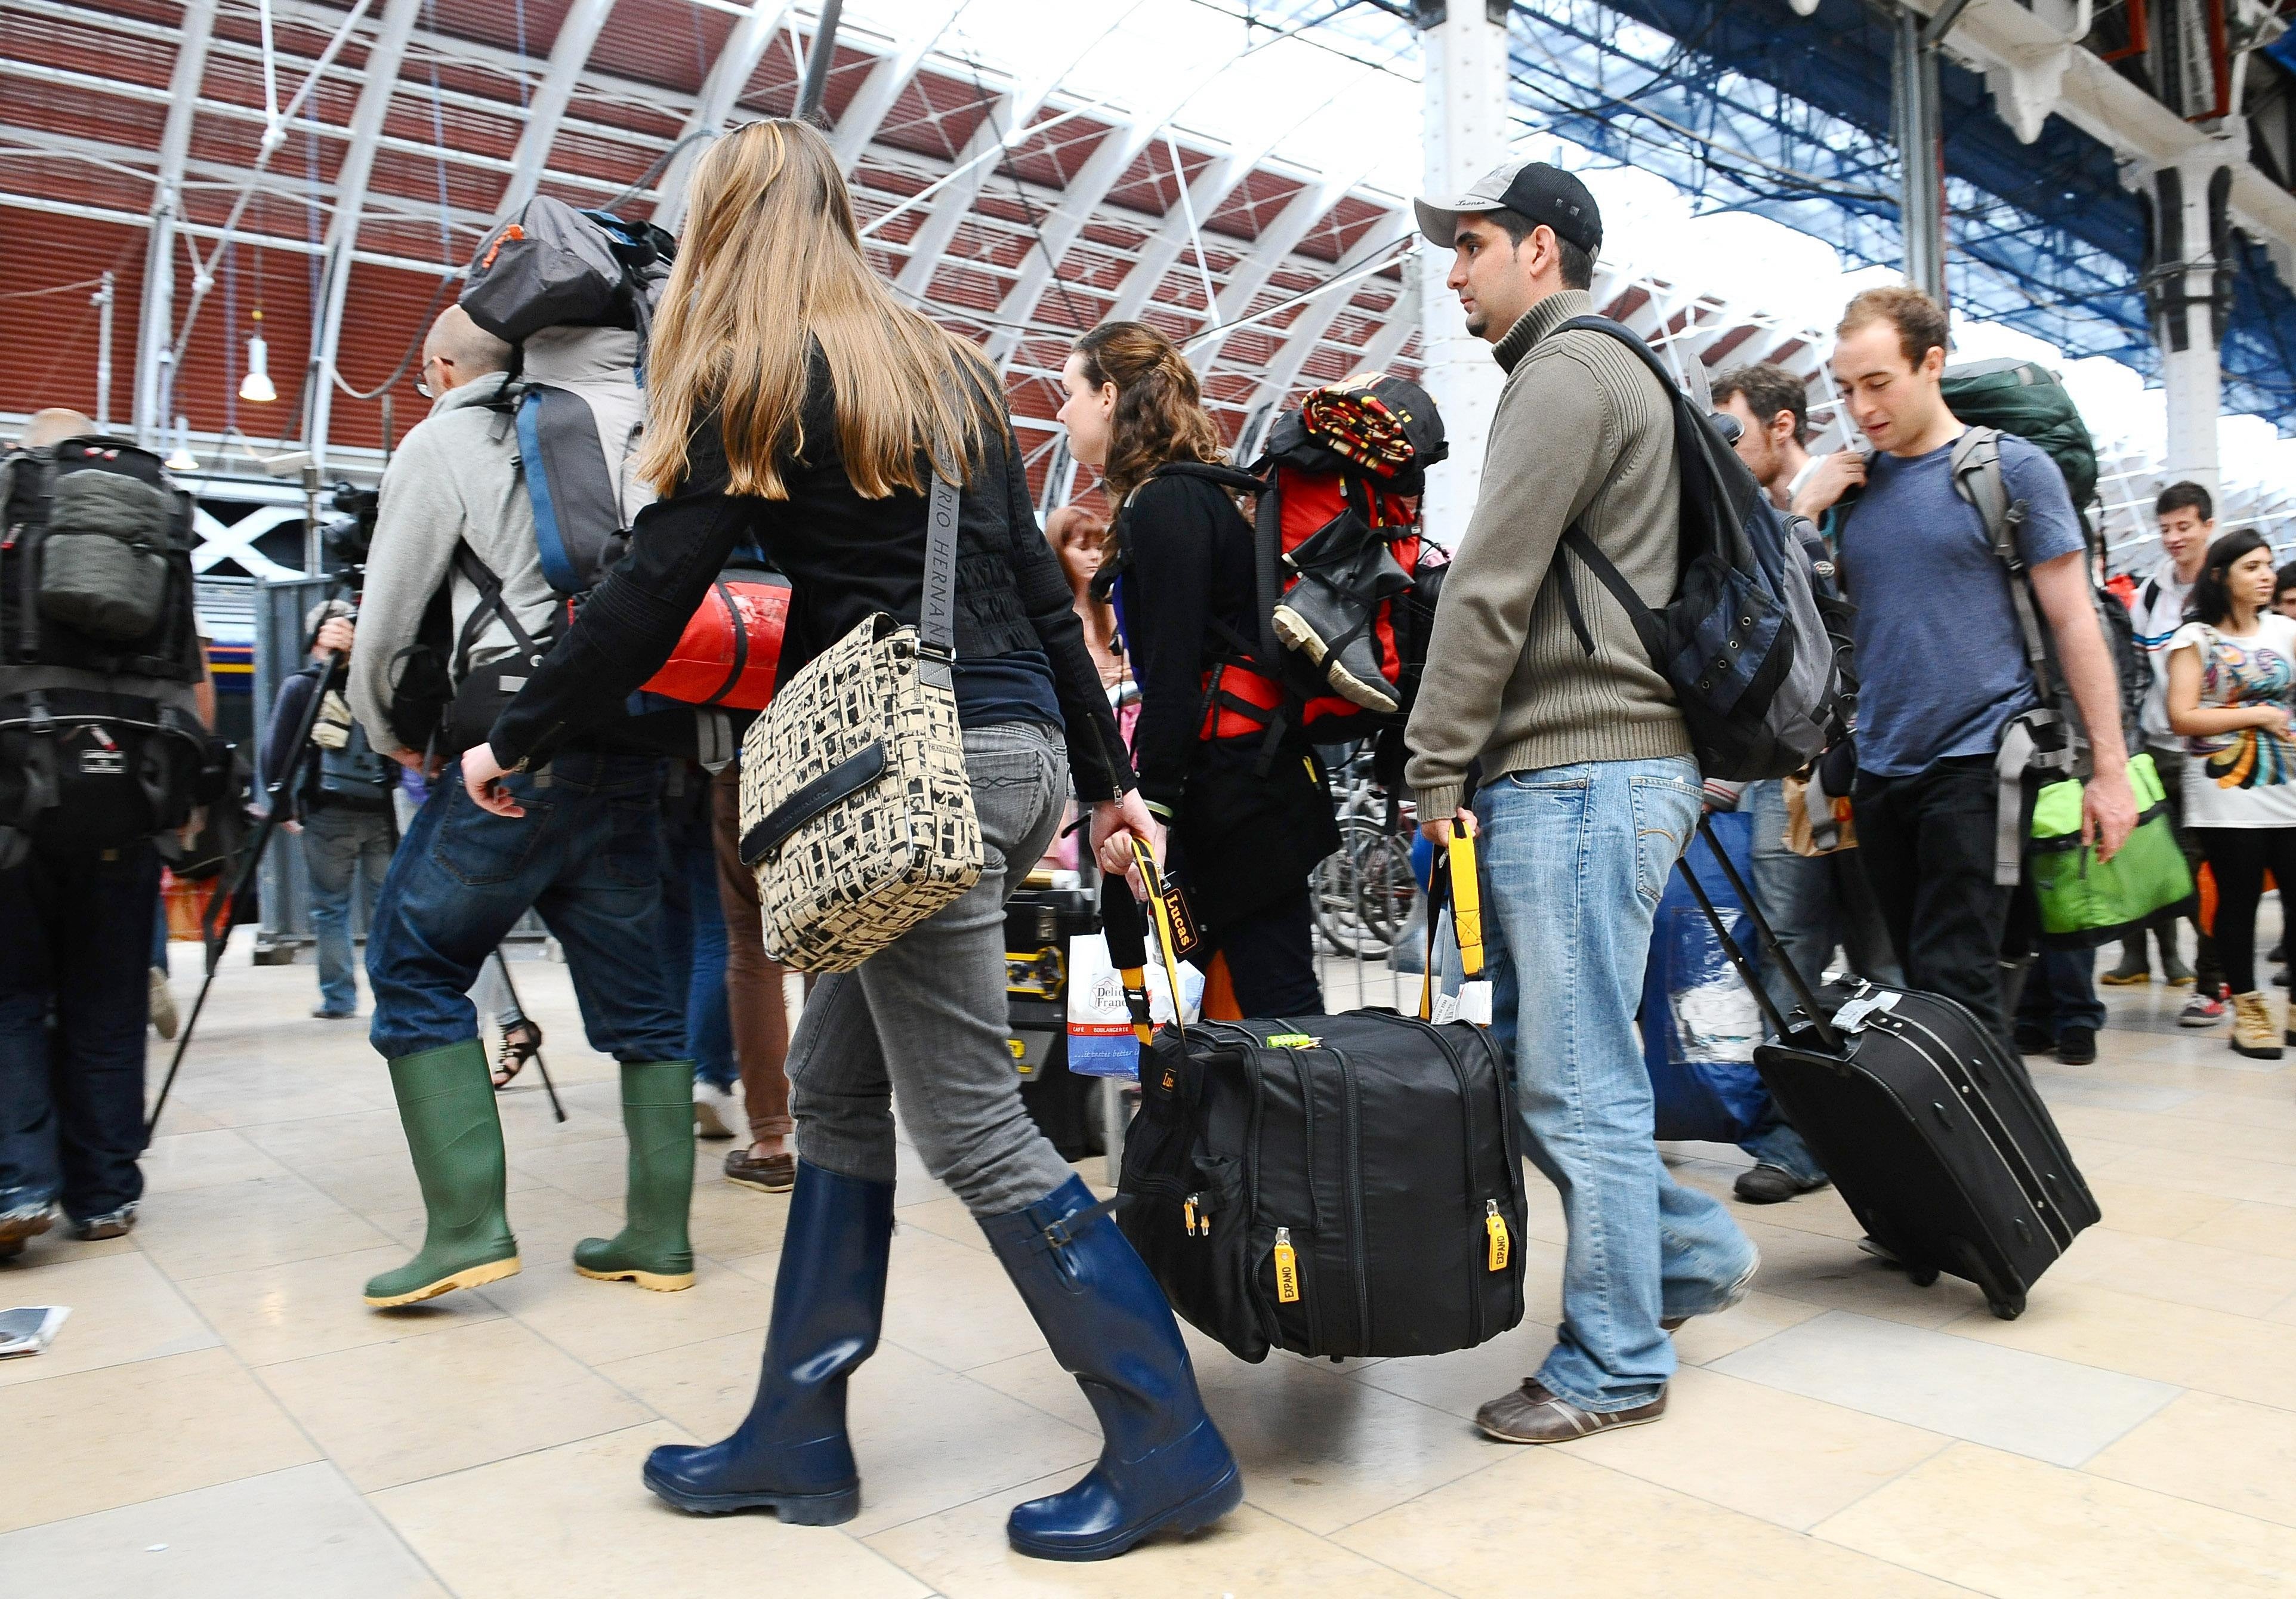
x=1755 y=648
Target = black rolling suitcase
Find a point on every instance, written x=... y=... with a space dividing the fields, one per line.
x=1038 y=923
x=1928 y=1125
x=1334 y=1186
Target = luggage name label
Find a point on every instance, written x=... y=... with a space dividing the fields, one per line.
x=1291 y=1041
x=1853 y=1015
x=1495 y=1226
x=1287 y=1268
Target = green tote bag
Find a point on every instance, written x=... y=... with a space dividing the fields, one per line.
x=2084 y=902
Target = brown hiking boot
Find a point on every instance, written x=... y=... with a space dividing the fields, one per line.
x=2252 y=1032
x=1532 y=1415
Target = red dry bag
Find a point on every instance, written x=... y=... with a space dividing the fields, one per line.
x=731 y=650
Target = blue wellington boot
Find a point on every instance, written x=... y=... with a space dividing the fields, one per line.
x=790 y=1454
x=1163 y=1465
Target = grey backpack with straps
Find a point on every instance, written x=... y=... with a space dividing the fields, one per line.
x=2051 y=738
x=101 y=743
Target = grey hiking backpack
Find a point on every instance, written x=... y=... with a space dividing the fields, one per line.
x=2050 y=738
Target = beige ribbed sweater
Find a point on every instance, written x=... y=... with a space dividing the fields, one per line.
x=1582 y=433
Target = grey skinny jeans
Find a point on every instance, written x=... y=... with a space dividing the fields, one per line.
x=925 y=1019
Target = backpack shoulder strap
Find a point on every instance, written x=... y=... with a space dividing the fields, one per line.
x=569 y=483
x=1976 y=462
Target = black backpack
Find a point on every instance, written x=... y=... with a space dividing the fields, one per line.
x=1756 y=651
x=351 y=774
x=101 y=743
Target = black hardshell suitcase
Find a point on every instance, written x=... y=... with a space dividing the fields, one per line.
x=1928 y=1125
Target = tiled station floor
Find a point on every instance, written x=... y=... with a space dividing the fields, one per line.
x=223 y=1416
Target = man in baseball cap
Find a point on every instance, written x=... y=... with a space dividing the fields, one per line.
x=1536 y=675
x=1535 y=191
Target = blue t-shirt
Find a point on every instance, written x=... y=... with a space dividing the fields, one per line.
x=1941 y=664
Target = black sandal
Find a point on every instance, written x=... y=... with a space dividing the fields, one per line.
x=521 y=1041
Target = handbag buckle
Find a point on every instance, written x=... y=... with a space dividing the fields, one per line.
x=935 y=663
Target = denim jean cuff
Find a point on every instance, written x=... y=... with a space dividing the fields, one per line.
x=1603 y=1406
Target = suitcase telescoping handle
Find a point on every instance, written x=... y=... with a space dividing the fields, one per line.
x=1453 y=879
x=1818 y=1020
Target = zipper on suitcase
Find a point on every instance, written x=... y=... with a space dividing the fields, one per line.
x=1351 y=1149
x=1467 y=1116
x=2031 y=1183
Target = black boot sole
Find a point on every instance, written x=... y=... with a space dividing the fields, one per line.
x=1189 y=1516
x=798 y=1510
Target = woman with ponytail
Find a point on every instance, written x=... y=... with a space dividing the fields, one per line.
x=1238 y=784
x=795 y=401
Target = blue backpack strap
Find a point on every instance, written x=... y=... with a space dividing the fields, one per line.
x=578 y=510
x=557 y=563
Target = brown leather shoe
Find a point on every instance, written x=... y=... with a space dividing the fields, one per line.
x=1532 y=1415
x=770 y=1174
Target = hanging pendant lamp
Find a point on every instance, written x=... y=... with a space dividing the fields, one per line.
x=181 y=459
x=255 y=385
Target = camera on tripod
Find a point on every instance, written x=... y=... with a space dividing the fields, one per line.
x=349 y=533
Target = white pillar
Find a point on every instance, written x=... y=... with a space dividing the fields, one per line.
x=1466 y=123
x=2189 y=200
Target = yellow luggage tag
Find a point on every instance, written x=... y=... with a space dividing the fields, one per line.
x=1495 y=1225
x=1287 y=1268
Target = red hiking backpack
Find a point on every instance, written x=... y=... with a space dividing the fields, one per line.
x=1341 y=562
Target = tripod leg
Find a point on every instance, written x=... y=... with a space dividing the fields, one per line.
x=548 y=1086
x=223 y=918
x=182 y=1044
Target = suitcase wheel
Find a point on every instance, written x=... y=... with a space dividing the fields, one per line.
x=2008 y=1309
x=1921 y=1277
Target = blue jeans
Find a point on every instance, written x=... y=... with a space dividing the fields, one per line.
x=342 y=847
x=74 y=943
x=1574 y=859
x=694 y=949
x=587 y=856
x=1815 y=905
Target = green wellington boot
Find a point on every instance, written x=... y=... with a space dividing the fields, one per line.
x=447 y=1104
x=651 y=1250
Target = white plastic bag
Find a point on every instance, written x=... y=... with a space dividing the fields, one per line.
x=1100 y=1043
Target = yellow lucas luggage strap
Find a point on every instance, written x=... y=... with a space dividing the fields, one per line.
x=1454 y=882
x=1168 y=936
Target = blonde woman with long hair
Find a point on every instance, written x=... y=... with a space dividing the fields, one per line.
x=797 y=402
x=1237 y=782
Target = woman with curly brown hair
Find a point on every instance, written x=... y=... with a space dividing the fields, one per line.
x=1237 y=782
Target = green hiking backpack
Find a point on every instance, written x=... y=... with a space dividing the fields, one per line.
x=2026 y=398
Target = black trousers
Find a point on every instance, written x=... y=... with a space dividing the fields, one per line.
x=2240 y=857
x=1927 y=846
x=1271 y=957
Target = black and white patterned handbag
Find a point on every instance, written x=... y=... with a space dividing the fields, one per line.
x=857 y=811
